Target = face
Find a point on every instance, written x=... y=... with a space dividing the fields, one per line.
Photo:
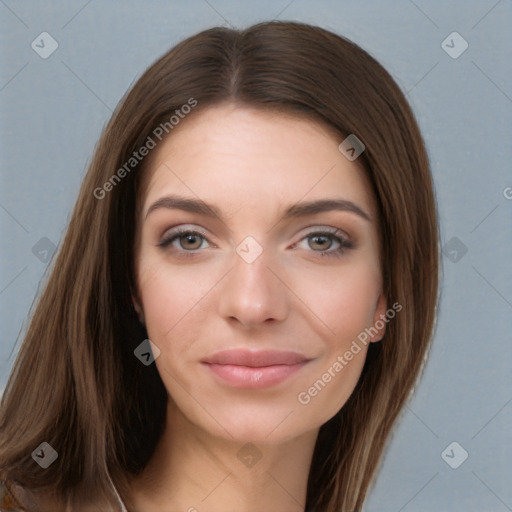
x=257 y=268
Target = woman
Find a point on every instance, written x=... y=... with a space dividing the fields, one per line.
x=245 y=294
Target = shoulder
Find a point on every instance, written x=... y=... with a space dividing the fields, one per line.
x=15 y=498
x=11 y=497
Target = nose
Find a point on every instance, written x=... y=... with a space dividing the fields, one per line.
x=252 y=295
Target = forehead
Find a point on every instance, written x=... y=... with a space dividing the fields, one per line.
x=235 y=156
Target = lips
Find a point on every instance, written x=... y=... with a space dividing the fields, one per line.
x=255 y=359
x=248 y=369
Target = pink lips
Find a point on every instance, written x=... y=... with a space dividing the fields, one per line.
x=248 y=369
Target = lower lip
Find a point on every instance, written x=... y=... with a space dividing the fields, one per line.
x=254 y=378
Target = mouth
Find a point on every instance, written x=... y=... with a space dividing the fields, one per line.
x=241 y=368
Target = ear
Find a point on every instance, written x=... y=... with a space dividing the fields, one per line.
x=138 y=307
x=380 y=319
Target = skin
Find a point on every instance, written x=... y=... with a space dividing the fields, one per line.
x=198 y=296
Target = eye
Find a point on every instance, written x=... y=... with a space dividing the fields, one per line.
x=332 y=243
x=185 y=240
x=321 y=242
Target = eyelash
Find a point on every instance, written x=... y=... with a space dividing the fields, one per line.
x=178 y=233
x=334 y=235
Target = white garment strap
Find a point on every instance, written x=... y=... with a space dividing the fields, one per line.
x=118 y=498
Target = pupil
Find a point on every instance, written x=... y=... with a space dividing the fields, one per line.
x=191 y=242
x=320 y=242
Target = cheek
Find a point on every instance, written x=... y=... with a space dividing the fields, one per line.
x=344 y=299
x=172 y=297
x=345 y=302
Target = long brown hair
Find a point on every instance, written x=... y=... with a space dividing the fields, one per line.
x=76 y=383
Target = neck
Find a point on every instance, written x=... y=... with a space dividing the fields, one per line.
x=195 y=472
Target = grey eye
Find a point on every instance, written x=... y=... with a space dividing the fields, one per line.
x=190 y=241
x=320 y=242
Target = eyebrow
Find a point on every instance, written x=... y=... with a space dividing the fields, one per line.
x=174 y=202
x=325 y=205
x=186 y=204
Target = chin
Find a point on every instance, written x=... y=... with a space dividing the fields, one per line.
x=263 y=424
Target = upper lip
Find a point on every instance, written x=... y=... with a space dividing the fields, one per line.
x=256 y=358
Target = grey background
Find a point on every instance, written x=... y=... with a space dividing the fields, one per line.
x=52 y=112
